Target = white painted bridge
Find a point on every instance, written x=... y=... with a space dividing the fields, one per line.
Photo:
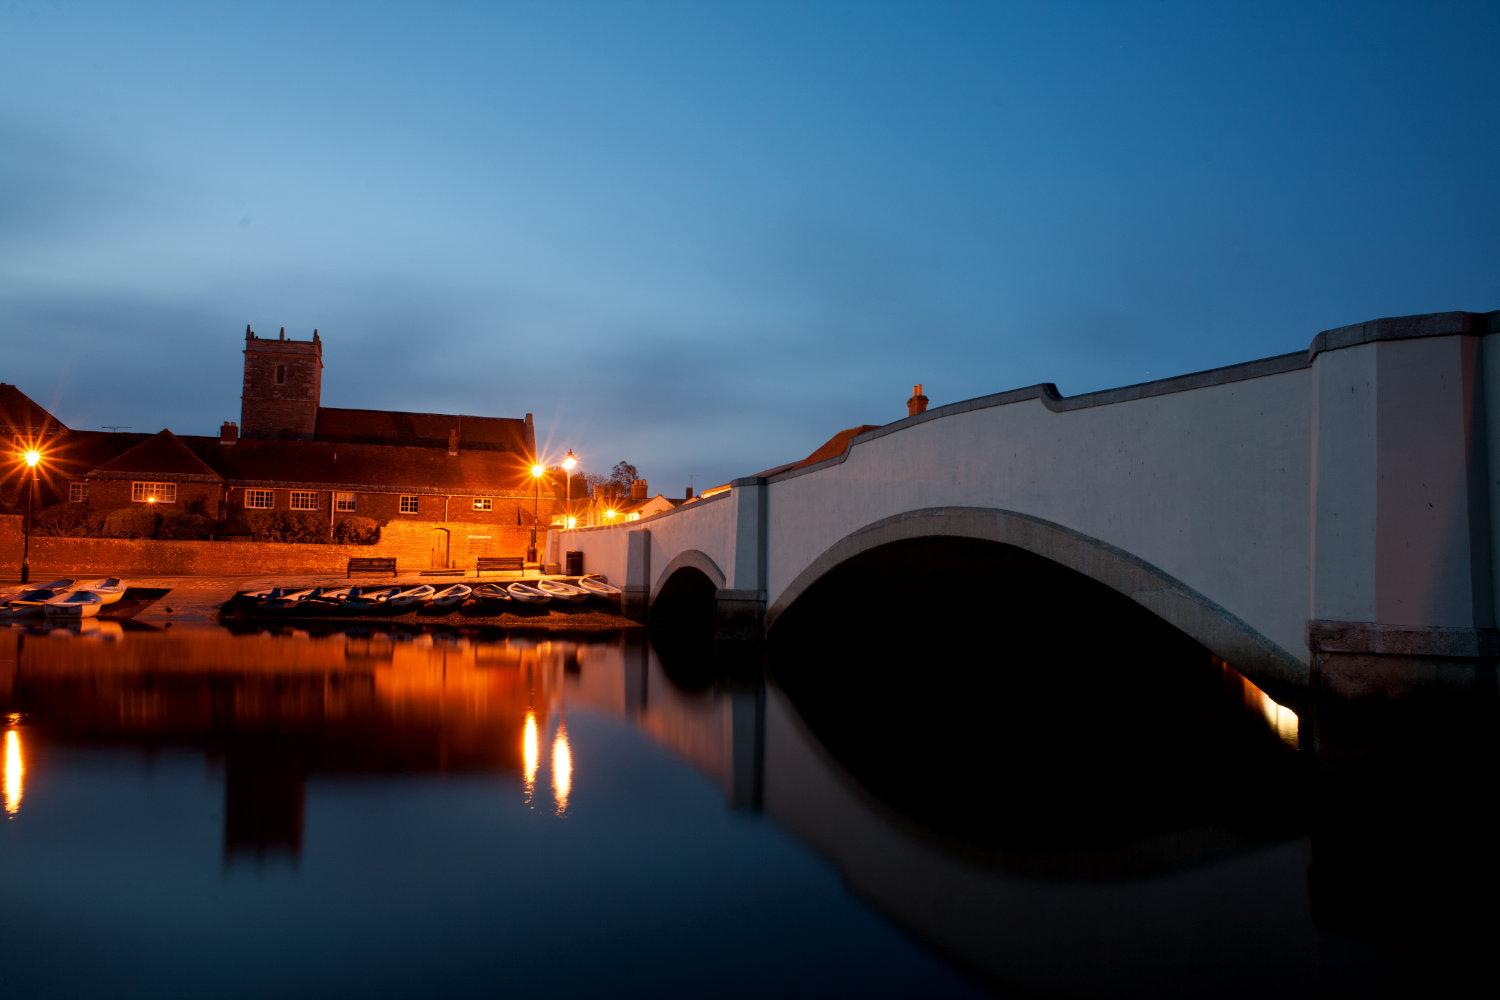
x=1326 y=510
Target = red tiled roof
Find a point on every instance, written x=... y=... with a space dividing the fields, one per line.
x=381 y=468
x=20 y=415
x=163 y=456
x=421 y=430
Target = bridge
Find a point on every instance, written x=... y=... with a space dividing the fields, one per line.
x=1321 y=518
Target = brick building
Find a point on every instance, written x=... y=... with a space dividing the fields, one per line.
x=288 y=452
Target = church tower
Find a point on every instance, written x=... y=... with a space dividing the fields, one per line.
x=283 y=384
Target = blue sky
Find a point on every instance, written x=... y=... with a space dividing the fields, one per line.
x=703 y=237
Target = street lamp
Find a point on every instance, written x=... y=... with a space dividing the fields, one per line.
x=33 y=457
x=536 y=474
x=568 y=464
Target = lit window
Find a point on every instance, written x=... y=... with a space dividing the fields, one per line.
x=304 y=500
x=78 y=492
x=408 y=505
x=484 y=503
x=153 y=492
x=260 y=499
x=634 y=516
x=345 y=502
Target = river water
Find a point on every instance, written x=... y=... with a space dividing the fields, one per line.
x=200 y=812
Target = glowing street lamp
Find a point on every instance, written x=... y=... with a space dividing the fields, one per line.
x=536 y=474
x=33 y=459
x=568 y=464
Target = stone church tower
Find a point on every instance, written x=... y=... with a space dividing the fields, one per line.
x=283 y=384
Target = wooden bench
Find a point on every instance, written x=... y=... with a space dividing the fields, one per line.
x=500 y=564
x=372 y=564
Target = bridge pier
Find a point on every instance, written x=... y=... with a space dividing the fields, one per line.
x=1403 y=609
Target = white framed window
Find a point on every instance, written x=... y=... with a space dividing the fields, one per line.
x=345 y=502
x=408 y=505
x=78 y=492
x=260 y=499
x=484 y=503
x=153 y=492
x=304 y=500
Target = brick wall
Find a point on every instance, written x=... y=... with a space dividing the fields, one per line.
x=411 y=542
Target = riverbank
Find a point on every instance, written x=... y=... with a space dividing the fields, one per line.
x=211 y=599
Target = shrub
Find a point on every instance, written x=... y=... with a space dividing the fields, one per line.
x=62 y=520
x=286 y=526
x=131 y=522
x=185 y=527
x=356 y=531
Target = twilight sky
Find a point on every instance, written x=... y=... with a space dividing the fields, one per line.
x=705 y=236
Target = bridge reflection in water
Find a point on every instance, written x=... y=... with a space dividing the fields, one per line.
x=1078 y=831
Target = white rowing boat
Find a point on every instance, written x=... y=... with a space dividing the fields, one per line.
x=525 y=593
x=559 y=591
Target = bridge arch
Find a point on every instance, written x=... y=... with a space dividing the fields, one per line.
x=1179 y=605
x=692 y=574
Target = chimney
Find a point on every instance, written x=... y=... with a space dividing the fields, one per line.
x=689 y=494
x=229 y=432
x=917 y=403
x=453 y=441
x=638 y=490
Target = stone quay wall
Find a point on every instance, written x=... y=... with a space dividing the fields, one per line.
x=413 y=545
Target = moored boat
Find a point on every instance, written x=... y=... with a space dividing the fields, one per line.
x=560 y=591
x=109 y=588
x=596 y=587
x=452 y=595
x=413 y=597
x=492 y=595
x=362 y=600
x=73 y=604
x=31 y=599
x=287 y=601
x=525 y=593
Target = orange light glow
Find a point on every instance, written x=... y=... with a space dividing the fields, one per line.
x=33 y=457
x=537 y=472
x=15 y=772
x=562 y=770
x=570 y=461
x=610 y=514
x=530 y=753
x=572 y=522
x=151 y=499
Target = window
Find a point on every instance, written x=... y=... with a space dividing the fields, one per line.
x=484 y=503
x=408 y=505
x=78 y=492
x=281 y=374
x=345 y=502
x=261 y=499
x=153 y=492
x=304 y=500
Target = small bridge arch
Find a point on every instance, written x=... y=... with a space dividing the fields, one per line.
x=1179 y=605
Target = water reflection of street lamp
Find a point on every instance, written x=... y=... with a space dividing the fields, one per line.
x=536 y=474
x=33 y=458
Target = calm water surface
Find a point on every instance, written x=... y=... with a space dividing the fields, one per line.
x=196 y=812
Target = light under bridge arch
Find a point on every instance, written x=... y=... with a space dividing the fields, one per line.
x=1171 y=600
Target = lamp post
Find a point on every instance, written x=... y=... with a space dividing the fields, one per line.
x=568 y=464
x=33 y=457
x=536 y=476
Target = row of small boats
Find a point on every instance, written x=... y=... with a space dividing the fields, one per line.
x=63 y=598
x=397 y=599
